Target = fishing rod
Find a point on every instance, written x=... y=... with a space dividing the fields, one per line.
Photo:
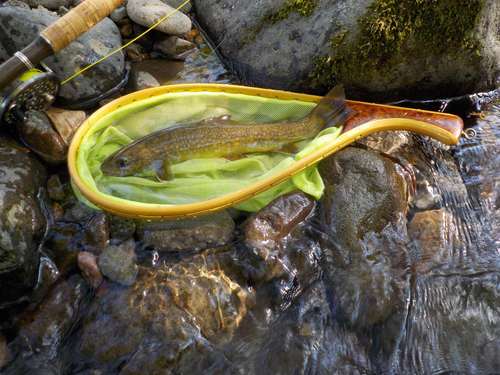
x=36 y=89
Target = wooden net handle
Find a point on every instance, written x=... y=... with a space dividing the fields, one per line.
x=77 y=21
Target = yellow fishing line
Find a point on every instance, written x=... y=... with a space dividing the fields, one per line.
x=132 y=41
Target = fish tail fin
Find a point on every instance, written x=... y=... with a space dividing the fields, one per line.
x=332 y=109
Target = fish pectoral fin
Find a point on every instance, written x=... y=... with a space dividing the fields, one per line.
x=163 y=170
x=289 y=148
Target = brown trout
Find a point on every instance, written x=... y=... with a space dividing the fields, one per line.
x=221 y=136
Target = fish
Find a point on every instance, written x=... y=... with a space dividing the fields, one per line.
x=221 y=136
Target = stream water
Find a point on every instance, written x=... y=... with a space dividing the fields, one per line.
x=420 y=298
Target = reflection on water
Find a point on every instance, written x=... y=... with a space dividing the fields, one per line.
x=420 y=297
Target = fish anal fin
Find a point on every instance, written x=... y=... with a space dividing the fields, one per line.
x=234 y=157
x=288 y=148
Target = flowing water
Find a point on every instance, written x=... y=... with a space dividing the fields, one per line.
x=421 y=297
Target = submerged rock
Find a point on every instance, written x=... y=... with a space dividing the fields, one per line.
x=363 y=193
x=380 y=50
x=363 y=211
x=171 y=319
x=117 y=265
x=19 y=27
x=87 y=262
x=174 y=47
x=195 y=233
x=22 y=222
x=149 y=12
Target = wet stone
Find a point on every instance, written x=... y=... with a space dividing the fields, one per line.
x=134 y=52
x=195 y=233
x=63 y=244
x=55 y=188
x=121 y=228
x=170 y=320
x=80 y=213
x=65 y=122
x=37 y=132
x=363 y=193
x=118 y=14
x=45 y=329
x=22 y=222
x=96 y=232
x=116 y=264
x=87 y=262
x=174 y=47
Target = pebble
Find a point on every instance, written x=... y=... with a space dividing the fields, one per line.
x=96 y=232
x=134 y=53
x=57 y=212
x=174 y=47
x=116 y=264
x=87 y=262
x=195 y=233
x=39 y=135
x=118 y=14
x=126 y=31
x=121 y=228
x=80 y=213
x=65 y=122
x=148 y=12
x=55 y=188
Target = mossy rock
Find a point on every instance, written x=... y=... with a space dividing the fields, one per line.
x=381 y=50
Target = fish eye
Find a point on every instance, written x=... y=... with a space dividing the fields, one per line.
x=122 y=162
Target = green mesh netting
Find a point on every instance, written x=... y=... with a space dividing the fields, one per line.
x=197 y=179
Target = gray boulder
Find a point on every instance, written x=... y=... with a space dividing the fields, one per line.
x=49 y=4
x=19 y=27
x=379 y=50
x=22 y=223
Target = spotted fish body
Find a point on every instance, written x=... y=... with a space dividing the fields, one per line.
x=221 y=136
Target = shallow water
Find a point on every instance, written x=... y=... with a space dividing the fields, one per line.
x=423 y=296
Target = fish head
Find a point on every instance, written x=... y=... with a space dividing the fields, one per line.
x=124 y=162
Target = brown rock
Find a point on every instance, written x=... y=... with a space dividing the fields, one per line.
x=268 y=229
x=55 y=188
x=65 y=122
x=96 y=232
x=87 y=262
x=39 y=135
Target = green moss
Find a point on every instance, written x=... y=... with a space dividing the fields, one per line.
x=303 y=8
x=391 y=30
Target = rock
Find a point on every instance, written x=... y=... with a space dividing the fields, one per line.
x=96 y=232
x=80 y=213
x=42 y=332
x=140 y=80
x=134 y=53
x=268 y=230
x=64 y=242
x=4 y=351
x=381 y=51
x=195 y=233
x=15 y=3
x=174 y=47
x=55 y=188
x=152 y=73
x=169 y=320
x=65 y=122
x=363 y=211
x=116 y=264
x=186 y=8
x=57 y=212
x=121 y=228
x=18 y=27
x=126 y=31
x=87 y=262
x=49 y=4
x=363 y=193
x=37 y=132
x=118 y=14
x=22 y=222
x=149 y=12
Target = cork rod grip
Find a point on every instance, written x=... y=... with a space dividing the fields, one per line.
x=77 y=21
